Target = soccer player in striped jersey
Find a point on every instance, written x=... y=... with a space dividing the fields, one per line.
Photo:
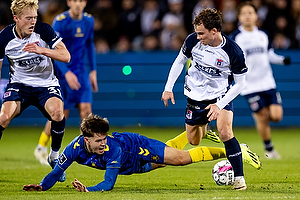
x=260 y=88
x=77 y=82
x=216 y=61
x=120 y=154
x=30 y=46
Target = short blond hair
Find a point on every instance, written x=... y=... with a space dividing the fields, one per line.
x=17 y=6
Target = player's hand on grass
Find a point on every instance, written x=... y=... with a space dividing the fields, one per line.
x=166 y=96
x=32 y=187
x=79 y=186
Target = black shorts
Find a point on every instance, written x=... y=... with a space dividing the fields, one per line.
x=196 y=114
x=259 y=100
x=27 y=95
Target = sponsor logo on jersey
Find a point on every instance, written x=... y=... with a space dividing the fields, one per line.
x=62 y=158
x=31 y=61
x=208 y=70
x=187 y=88
x=254 y=50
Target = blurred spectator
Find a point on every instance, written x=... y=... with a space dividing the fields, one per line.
x=202 y=4
x=281 y=41
x=295 y=12
x=262 y=11
x=106 y=21
x=175 y=11
x=279 y=20
x=123 y=45
x=151 y=16
x=229 y=13
x=101 y=45
x=150 y=43
x=49 y=9
x=172 y=30
x=5 y=14
x=129 y=19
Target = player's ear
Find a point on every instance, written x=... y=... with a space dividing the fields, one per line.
x=86 y=139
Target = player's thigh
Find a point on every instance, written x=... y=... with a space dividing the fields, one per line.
x=224 y=125
x=9 y=110
x=84 y=109
x=276 y=112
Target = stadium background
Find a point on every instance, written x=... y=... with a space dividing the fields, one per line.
x=131 y=80
x=131 y=84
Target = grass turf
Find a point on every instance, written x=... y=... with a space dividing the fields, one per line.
x=279 y=179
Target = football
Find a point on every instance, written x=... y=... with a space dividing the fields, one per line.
x=222 y=173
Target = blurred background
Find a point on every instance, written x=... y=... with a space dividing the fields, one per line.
x=136 y=43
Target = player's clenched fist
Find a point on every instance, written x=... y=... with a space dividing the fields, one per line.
x=32 y=187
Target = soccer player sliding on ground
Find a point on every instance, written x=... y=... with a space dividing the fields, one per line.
x=124 y=154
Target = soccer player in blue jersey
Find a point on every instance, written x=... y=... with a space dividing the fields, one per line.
x=77 y=30
x=30 y=46
x=121 y=153
x=260 y=89
x=216 y=61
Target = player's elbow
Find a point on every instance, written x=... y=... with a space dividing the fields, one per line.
x=67 y=58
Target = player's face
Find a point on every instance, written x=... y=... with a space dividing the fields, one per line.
x=96 y=144
x=248 y=16
x=25 y=22
x=204 y=35
x=76 y=7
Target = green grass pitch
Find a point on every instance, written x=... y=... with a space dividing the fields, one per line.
x=278 y=179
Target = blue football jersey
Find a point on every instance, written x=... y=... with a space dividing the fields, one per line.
x=78 y=37
x=125 y=154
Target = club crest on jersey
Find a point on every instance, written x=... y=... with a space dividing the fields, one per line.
x=189 y=114
x=219 y=63
x=7 y=94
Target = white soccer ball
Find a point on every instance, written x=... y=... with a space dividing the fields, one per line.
x=222 y=173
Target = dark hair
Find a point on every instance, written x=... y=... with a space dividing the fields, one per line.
x=210 y=18
x=245 y=3
x=94 y=124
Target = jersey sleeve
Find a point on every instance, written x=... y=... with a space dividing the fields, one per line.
x=188 y=44
x=48 y=34
x=113 y=159
x=110 y=178
x=65 y=159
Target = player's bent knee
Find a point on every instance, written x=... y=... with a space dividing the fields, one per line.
x=4 y=119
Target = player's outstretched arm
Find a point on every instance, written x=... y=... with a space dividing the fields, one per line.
x=33 y=187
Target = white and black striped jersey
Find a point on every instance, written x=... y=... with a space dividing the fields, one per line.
x=211 y=69
x=258 y=55
x=29 y=68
